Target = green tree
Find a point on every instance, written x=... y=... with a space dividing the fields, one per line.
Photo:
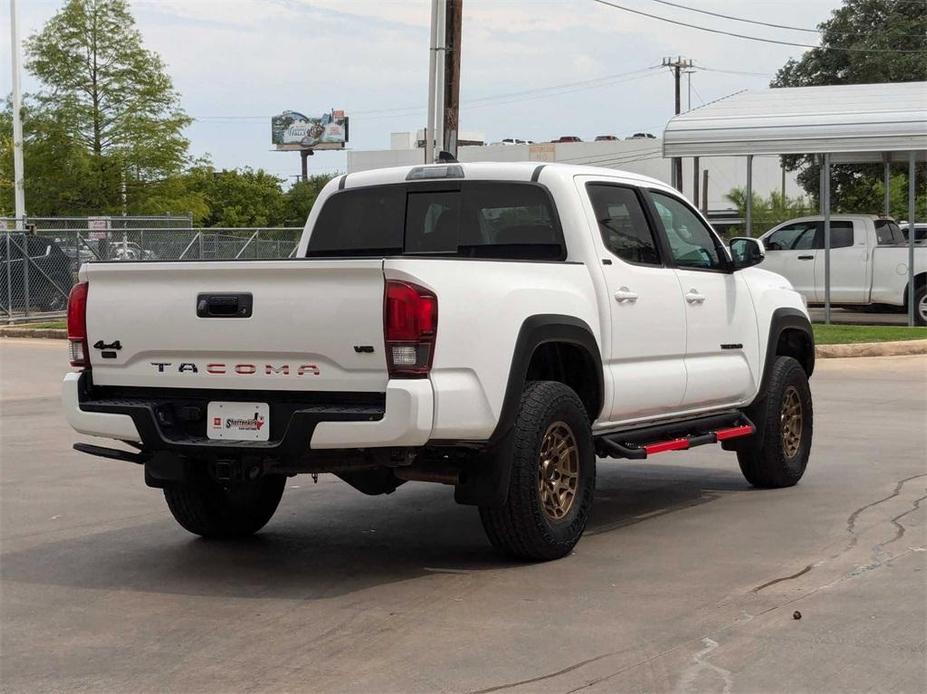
x=238 y=197
x=768 y=212
x=107 y=113
x=301 y=197
x=870 y=28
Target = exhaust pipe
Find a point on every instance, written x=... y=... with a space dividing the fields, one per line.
x=430 y=473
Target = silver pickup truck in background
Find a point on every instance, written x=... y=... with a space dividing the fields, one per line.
x=868 y=264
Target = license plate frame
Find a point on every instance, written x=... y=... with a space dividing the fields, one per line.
x=237 y=421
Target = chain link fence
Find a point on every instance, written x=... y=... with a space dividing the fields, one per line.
x=39 y=267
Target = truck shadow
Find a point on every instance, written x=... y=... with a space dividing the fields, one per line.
x=328 y=541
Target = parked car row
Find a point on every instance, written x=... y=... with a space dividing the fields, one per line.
x=566 y=139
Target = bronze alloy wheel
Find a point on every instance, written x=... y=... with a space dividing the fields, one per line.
x=558 y=470
x=790 y=422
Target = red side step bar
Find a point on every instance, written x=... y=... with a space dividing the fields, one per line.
x=636 y=451
x=735 y=432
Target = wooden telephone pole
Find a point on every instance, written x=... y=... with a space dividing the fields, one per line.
x=677 y=65
x=453 y=26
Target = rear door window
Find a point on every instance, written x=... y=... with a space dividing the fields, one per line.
x=483 y=219
x=623 y=225
x=841 y=234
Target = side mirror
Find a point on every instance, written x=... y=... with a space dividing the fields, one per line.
x=746 y=252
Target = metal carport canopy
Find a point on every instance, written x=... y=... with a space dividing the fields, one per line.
x=856 y=123
x=845 y=123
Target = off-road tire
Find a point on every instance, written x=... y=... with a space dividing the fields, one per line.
x=764 y=460
x=520 y=528
x=206 y=508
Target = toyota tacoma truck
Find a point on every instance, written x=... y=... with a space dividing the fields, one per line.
x=868 y=262
x=494 y=327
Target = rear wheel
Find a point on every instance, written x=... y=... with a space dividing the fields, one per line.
x=552 y=477
x=206 y=508
x=778 y=454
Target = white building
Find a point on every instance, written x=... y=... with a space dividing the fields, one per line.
x=642 y=156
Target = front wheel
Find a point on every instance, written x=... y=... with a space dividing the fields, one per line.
x=920 y=305
x=778 y=455
x=206 y=508
x=552 y=477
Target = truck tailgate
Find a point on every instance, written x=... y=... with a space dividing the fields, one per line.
x=314 y=325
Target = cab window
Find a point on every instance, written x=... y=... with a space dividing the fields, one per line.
x=792 y=237
x=622 y=224
x=692 y=243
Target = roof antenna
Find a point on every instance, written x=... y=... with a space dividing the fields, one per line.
x=446 y=158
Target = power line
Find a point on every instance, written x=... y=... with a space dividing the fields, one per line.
x=490 y=100
x=591 y=83
x=735 y=19
x=735 y=72
x=755 y=38
x=756 y=21
x=614 y=158
x=631 y=78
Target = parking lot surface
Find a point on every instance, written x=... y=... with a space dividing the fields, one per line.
x=687 y=579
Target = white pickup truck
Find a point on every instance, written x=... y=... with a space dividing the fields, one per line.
x=494 y=327
x=868 y=262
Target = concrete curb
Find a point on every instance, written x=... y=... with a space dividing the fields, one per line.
x=52 y=333
x=872 y=349
x=861 y=349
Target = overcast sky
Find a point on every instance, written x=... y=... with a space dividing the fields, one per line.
x=237 y=62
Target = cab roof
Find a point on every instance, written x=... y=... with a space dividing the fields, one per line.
x=492 y=171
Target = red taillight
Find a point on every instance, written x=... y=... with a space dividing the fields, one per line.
x=77 y=325
x=410 y=324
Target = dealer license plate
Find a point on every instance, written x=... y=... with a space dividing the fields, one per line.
x=238 y=421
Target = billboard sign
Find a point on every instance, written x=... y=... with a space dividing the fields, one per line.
x=292 y=130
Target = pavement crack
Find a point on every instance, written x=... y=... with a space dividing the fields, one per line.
x=899 y=528
x=630 y=666
x=541 y=678
x=701 y=665
x=783 y=578
x=851 y=520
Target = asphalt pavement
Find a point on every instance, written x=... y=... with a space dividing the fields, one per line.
x=687 y=579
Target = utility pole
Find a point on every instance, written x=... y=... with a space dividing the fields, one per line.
x=18 y=185
x=689 y=88
x=677 y=65
x=432 y=64
x=441 y=59
x=453 y=27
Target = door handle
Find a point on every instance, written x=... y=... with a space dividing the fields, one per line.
x=224 y=305
x=694 y=297
x=625 y=294
x=806 y=257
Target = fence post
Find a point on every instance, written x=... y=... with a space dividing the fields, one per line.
x=9 y=281
x=25 y=240
x=200 y=237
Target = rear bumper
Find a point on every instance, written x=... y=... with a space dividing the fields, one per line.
x=107 y=425
x=403 y=418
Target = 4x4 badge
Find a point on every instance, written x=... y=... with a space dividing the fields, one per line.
x=99 y=344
